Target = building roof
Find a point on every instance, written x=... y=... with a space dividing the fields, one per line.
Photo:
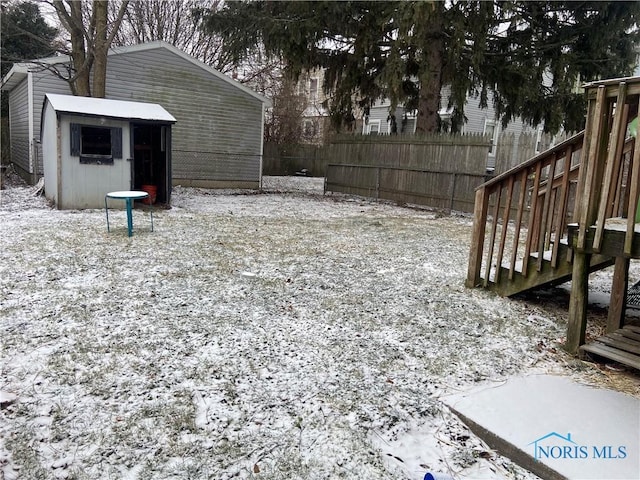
x=20 y=70
x=102 y=107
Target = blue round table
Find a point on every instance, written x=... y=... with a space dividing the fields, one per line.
x=128 y=196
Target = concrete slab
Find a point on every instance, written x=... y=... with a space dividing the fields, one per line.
x=556 y=428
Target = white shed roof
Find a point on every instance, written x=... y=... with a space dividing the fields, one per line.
x=102 y=107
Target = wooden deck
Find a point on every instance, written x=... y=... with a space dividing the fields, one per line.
x=511 y=283
x=613 y=239
x=622 y=346
x=585 y=189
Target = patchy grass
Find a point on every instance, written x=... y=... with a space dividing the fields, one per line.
x=282 y=335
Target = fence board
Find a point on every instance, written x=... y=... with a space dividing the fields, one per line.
x=437 y=189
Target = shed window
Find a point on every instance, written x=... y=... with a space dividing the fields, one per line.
x=94 y=144
x=95 y=141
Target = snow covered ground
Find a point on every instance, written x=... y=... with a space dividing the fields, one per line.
x=283 y=334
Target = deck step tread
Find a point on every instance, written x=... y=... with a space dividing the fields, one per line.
x=620 y=344
x=611 y=353
x=626 y=332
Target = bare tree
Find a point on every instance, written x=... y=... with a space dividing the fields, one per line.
x=283 y=123
x=177 y=22
x=91 y=33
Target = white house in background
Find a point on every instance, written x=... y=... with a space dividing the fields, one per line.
x=478 y=120
x=88 y=149
x=315 y=121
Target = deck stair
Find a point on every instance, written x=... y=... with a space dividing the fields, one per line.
x=575 y=191
x=546 y=276
x=518 y=215
x=622 y=346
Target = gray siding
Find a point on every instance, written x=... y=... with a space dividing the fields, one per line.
x=217 y=139
x=44 y=82
x=380 y=111
x=475 y=116
x=19 y=125
x=218 y=134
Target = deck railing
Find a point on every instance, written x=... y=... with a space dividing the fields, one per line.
x=611 y=162
x=524 y=212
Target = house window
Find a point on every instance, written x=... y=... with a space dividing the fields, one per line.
x=309 y=128
x=96 y=144
x=373 y=128
x=490 y=128
x=313 y=89
x=543 y=142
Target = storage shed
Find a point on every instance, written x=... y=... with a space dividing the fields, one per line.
x=216 y=142
x=91 y=146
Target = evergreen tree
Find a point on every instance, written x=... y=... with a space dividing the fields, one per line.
x=25 y=34
x=530 y=55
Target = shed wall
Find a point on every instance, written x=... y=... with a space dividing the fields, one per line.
x=50 y=155
x=85 y=185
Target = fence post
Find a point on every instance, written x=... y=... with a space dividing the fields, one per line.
x=480 y=210
x=378 y=184
x=453 y=191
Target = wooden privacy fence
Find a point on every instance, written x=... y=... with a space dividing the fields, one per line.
x=513 y=150
x=436 y=152
x=440 y=171
x=437 y=189
x=291 y=158
x=429 y=152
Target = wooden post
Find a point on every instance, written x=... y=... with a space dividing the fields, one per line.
x=615 y=319
x=518 y=224
x=477 y=237
x=545 y=228
x=561 y=220
x=612 y=160
x=577 y=322
x=492 y=236
x=532 y=223
x=588 y=197
x=453 y=192
x=505 y=226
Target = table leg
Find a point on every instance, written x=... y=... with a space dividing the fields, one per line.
x=106 y=209
x=129 y=216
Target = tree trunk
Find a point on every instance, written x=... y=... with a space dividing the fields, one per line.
x=431 y=71
x=101 y=49
x=89 y=43
x=79 y=82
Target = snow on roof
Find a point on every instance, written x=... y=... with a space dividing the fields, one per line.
x=103 y=107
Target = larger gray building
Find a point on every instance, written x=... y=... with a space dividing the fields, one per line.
x=216 y=141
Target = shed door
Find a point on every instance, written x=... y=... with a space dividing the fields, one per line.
x=151 y=160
